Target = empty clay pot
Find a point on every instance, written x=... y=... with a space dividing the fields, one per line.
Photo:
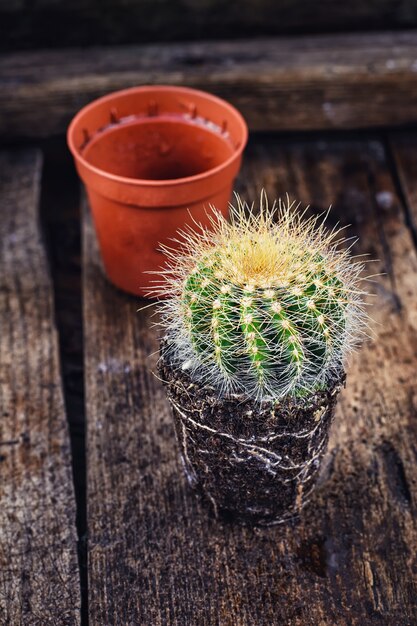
x=153 y=159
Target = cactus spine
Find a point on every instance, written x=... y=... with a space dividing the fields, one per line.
x=266 y=304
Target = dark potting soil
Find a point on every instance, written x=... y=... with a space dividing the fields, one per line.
x=256 y=461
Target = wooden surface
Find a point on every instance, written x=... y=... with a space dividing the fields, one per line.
x=56 y=23
x=155 y=555
x=303 y=83
x=39 y=581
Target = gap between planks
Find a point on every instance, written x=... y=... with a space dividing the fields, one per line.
x=403 y=148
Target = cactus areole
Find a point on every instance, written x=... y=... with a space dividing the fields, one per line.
x=260 y=315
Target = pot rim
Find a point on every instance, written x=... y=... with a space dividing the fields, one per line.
x=150 y=182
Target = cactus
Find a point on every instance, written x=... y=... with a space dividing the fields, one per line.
x=267 y=304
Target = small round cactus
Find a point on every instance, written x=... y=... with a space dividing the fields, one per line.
x=266 y=304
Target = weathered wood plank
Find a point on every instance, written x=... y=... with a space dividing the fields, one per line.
x=39 y=581
x=345 y=81
x=155 y=555
x=52 y=23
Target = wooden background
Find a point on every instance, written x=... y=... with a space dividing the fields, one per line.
x=58 y=23
x=283 y=84
x=97 y=524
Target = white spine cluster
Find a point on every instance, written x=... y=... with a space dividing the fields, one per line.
x=267 y=304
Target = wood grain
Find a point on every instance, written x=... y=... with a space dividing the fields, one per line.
x=155 y=555
x=301 y=83
x=52 y=23
x=39 y=581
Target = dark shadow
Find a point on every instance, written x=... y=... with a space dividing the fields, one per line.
x=60 y=218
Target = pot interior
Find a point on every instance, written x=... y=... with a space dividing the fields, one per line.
x=158 y=149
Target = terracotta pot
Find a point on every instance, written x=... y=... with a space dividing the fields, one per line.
x=153 y=159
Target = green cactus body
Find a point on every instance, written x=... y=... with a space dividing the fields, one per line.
x=196 y=293
x=263 y=305
x=224 y=325
x=265 y=335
